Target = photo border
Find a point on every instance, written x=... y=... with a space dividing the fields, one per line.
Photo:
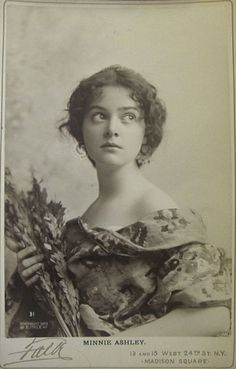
x=3 y=65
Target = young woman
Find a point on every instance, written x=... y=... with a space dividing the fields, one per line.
x=140 y=263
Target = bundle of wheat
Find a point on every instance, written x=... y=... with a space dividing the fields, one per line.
x=30 y=219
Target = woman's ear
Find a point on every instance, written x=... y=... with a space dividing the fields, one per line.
x=145 y=153
x=81 y=150
x=142 y=157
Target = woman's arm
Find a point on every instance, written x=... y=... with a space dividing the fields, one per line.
x=185 y=322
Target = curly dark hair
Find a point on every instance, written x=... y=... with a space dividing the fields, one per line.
x=141 y=91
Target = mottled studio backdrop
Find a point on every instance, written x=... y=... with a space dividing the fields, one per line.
x=185 y=50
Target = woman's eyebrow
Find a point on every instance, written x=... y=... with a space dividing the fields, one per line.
x=129 y=107
x=96 y=107
x=120 y=109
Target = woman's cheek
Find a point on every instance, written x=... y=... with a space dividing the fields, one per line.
x=89 y=135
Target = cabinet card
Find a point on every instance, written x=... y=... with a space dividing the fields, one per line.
x=153 y=290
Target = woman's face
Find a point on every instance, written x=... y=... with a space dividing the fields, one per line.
x=113 y=127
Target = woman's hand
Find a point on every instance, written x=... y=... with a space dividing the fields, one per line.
x=28 y=263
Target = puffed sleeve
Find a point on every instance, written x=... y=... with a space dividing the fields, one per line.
x=195 y=275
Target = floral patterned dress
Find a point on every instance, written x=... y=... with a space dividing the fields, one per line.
x=133 y=275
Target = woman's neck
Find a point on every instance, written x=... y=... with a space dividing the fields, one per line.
x=117 y=181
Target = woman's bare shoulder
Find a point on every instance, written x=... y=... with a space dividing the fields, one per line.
x=156 y=199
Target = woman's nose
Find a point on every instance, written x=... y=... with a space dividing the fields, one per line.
x=112 y=128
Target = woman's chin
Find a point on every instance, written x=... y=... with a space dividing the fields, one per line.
x=112 y=162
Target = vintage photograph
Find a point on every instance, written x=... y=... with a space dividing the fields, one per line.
x=117 y=182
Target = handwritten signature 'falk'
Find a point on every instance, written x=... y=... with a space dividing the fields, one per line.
x=40 y=349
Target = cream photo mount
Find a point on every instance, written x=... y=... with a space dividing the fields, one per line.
x=187 y=49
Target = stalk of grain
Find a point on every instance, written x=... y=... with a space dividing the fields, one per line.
x=30 y=219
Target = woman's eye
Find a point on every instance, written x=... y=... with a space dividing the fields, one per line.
x=129 y=117
x=98 y=117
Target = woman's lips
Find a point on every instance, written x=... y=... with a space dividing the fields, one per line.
x=110 y=144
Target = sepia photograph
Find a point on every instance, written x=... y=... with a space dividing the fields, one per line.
x=117 y=184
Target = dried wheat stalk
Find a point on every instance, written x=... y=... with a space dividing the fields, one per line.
x=30 y=219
